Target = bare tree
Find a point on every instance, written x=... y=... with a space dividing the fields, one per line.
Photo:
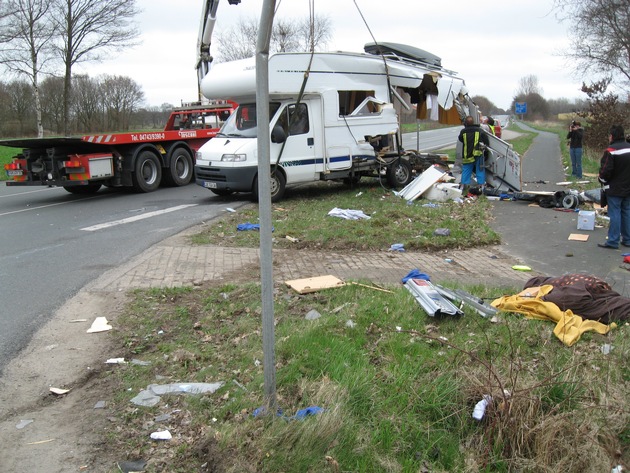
x=26 y=32
x=121 y=97
x=529 y=85
x=239 y=42
x=90 y=28
x=88 y=106
x=600 y=36
x=51 y=94
x=21 y=107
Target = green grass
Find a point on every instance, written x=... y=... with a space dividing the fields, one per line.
x=303 y=215
x=398 y=387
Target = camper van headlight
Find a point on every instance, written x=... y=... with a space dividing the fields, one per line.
x=234 y=157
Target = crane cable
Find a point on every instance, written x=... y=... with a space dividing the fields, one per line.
x=311 y=7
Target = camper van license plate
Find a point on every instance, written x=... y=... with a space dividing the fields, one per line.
x=210 y=185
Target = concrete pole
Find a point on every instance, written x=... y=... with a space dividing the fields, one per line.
x=264 y=202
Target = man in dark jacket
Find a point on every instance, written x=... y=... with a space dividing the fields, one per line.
x=475 y=141
x=614 y=173
x=575 y=137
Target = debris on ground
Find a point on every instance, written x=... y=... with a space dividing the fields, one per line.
x=151 y=396
x=307 y=285
x=99 y=325
x=348 y=214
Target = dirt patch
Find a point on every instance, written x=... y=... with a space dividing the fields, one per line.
x=67 y=432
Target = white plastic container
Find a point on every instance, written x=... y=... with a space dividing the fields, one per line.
x=586 y=220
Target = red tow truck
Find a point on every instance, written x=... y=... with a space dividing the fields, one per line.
x=143 y=160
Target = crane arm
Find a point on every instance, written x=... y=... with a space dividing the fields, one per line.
x=206 y=27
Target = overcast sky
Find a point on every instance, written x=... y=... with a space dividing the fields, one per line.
x=491 y=45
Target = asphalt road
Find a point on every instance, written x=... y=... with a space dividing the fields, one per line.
x=53 y=243
x=539 y=236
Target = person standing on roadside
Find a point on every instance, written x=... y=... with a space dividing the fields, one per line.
x=575 y=137
x=475 y=140
x=614 y=174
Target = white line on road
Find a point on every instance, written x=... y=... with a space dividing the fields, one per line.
x=47 y=189
x=113 y=223
x=30 y=209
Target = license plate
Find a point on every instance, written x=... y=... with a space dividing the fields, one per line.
x=210 y=185
x=15 y=172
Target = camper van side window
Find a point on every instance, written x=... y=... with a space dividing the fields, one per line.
x=295 y=119
x=351 y=100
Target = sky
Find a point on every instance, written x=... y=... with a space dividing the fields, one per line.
x=491 y=45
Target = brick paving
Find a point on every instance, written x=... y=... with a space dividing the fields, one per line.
x=176 y=262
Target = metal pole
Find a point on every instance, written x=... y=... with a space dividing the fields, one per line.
x=264 y=202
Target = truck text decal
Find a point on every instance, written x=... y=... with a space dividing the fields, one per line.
x=147 y=136
x=188 y=134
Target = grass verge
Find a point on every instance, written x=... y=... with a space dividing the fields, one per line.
x=397 y=387
x=6 y=154
x=303 y=215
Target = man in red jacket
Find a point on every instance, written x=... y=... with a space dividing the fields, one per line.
x=614 y=173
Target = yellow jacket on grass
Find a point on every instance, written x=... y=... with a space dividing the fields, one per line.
x=569 y=326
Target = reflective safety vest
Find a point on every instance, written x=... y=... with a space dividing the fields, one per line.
x=471 y=150
x=492 y=129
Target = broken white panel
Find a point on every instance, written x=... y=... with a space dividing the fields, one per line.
x=443 y=192
x=422 y=183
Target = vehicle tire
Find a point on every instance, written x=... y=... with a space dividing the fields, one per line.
x=278 y=186
x=82 y=190
x=399 y=173
x=147 y=172
x=222 y=192
x=181 y=170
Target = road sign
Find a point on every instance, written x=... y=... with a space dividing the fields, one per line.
x=520 y=108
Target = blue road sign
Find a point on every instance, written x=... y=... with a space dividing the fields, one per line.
x=520 y=108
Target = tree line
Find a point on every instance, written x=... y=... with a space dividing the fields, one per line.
x=102 y=103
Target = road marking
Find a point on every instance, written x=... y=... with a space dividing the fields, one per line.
x=30 y=209
x=47 y=189
x=113 y=223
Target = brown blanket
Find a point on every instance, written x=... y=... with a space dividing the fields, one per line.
x=585 y=295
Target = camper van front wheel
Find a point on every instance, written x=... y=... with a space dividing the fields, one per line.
x=278 y=184
x=399 y=173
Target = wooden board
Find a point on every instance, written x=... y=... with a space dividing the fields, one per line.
x=304 y=286
x=578 y=237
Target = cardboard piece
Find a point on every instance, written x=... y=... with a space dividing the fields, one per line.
x=578 y=237
x=304 y=286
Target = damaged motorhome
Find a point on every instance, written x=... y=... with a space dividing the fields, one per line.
x=333 y=115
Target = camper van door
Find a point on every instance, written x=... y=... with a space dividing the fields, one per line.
x=298 y=154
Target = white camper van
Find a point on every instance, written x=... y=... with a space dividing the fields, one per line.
x=332 y=116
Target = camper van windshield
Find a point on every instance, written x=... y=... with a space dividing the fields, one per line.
x=242 y=123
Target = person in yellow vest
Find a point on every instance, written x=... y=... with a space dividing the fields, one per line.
x=491 y=125
x=474 y=141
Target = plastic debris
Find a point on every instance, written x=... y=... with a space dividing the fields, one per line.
x=351 y=324
x=161 y=435
x=99 y=325
x=116 y=361
x=241 y=227
x=312 y=315
x=131 y=466
x=617 y=469
x=151 y=396
x=23 y=423
x=291 y=239
x=100 y=405
x=415 y=274
x=397 y=247
x=162 y=418
x=606 y=348
x=442 y=232
x=137 y=362
x=59 y=391
x=348 y=214
x=229 y=209
x=521 y=267
x=309 y=411
x=431 y=205
x=480 y=408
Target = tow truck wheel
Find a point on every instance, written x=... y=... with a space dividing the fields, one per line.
x=82 y=190
x=147 y=172
x=399 y=173
x=278 y=185
x=180 y=172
